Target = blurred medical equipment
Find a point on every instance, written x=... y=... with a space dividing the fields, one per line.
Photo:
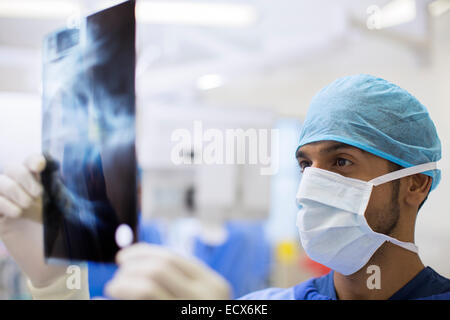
x=178 y=178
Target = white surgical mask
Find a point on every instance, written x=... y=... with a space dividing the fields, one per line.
x=331 y=222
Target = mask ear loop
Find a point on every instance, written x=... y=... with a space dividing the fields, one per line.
x=403 y=173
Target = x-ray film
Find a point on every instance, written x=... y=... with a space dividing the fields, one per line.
x=88 y=137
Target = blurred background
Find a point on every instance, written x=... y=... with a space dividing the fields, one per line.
x=236 y=64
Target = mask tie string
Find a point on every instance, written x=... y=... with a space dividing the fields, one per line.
x=403 y=173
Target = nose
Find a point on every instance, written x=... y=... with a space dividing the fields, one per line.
x=319 y=165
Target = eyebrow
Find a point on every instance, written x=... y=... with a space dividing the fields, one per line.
x=334 y=147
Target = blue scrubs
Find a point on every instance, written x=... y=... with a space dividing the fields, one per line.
x=427 y=284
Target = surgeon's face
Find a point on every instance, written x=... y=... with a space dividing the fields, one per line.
x=383 y=210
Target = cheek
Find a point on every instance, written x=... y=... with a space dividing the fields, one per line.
x=377 y=209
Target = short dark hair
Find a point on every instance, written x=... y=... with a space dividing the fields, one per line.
x=394 y=167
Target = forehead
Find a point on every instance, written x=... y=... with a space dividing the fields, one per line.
x=326 y=147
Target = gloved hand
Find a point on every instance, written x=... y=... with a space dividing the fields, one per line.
x=21 y=220
x=152 y=272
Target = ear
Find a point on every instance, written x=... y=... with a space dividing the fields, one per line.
x=418 y=187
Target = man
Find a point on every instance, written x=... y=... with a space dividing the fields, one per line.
x=357 y=215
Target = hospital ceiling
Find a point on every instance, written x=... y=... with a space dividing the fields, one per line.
x=175 y=53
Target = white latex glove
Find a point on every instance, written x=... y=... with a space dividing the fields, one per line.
x=152 y=272
x=21 y=220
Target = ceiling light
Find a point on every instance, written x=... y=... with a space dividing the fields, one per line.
x=209 y=81
x=43 y=9
x=439 y=7
x=195 y=13
x=394 y=13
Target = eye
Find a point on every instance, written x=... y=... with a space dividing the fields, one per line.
x=341 y=162
x=304 y=164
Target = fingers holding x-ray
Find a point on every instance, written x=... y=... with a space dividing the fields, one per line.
x=35 y=163
x=25 y=178
x=167 y=275
x=165 y=280
x=142 y=252
x=129 y=287
x=13 y=192
x=8 y=208
x=20 y=189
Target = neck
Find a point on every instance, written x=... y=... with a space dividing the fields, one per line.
x=396 y=266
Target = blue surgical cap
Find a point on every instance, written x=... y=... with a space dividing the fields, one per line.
x=377 y=116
